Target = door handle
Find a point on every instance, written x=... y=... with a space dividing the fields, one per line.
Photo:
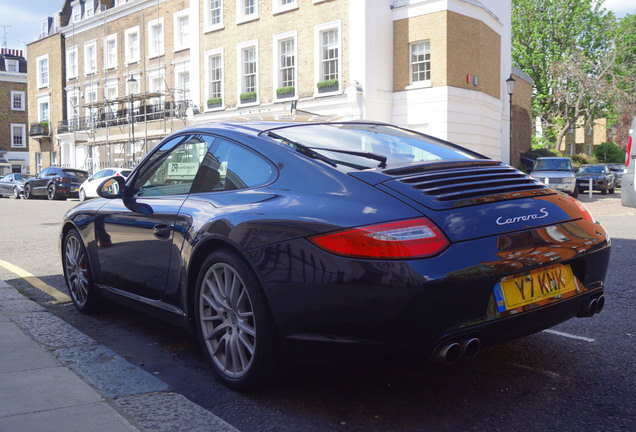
x=161 y=231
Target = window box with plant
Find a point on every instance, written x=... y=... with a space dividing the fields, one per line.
x=248 y=97
x=214 y=102
x=327 y=86
x=285 y=92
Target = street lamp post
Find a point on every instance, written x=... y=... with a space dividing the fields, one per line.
x=510 y=84
x=131 y=82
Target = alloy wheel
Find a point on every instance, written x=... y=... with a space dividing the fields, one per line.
x=227 y=320
x=51 y=191
x=76 y=270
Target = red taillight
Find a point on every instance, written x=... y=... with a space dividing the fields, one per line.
x=629 y=152
x=584 y=211
x=414 y=238
x=64 y=180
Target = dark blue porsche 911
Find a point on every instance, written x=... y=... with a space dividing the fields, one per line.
x=276 y=241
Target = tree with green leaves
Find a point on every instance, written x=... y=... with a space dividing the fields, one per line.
x=566 y=46
x=623 y=108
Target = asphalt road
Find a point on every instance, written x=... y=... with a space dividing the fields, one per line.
x=579 y=378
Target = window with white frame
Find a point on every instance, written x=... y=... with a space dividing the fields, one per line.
x=285 y=63
x=181 y=30
x=43 y=108
x=420 y=62
x=44 y=27
x=72 y=68
x=89 y=8
x=131 y=44
x=111 y=90
x=213 y=15
x=38 y=162
x=279 y=6
x=18 y=135
x=328 y=52
x=157 y=84
x=17 y=100
x=155 y=38
x=248 y=70
x=11 y=65
x=43 y=71
x=182 y=81
x=214 y=67
x=90 y=58
x=90 y=96
x=72 y=109
x=77 y=12
x=110 y=52
x=246 y=10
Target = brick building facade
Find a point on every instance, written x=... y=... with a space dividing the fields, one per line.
x=14 y=134
x=123 y=74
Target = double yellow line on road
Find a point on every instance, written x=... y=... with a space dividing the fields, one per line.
x=37 y=283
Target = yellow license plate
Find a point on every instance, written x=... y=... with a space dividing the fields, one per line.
x=534 y=287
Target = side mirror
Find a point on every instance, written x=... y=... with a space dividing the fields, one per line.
x=112 y=188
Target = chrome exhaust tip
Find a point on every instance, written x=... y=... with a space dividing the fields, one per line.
x=471 y=347
x=449 y=353
x=600 y=302
x=589 y=308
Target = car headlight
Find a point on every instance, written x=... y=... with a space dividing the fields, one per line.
x=569 y=180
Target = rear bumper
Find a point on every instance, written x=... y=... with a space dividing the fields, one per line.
x=323 y=304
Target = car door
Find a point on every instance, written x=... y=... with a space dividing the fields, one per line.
x=134 y=234
x=40 y=183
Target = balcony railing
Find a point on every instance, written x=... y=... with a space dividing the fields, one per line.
x=39 y=130
x=143 y=113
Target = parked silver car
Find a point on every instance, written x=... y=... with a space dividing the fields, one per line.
x=13 y=184
x=557 y=172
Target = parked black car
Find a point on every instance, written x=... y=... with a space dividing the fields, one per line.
x=55 y=183
x=617 y=169
x=13 y=184
x=276 y=241
x=602 y=178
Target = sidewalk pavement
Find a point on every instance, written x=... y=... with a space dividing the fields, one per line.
x=55 y=378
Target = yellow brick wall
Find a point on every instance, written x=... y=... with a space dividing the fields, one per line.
x=52 y=45
x=460 y=46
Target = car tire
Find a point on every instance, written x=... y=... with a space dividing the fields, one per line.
x=51 y=192
x=604 y=190
x=78 y=273
x=16 y=193
x=27 y=192
x=611 y=190
x=82 y=195
x=575 y=194
x=233 y=323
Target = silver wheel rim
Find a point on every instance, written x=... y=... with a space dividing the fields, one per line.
x=16 y=193
x=82 y=195
x=51 y=192
x=227 y=320
x=76 y=270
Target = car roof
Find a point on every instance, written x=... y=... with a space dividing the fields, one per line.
x=256 y=127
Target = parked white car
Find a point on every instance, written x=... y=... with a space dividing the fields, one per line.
x=88 y=189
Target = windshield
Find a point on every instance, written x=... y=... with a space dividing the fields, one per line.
x=592 y=170
x=552 y=165
x=364 y=146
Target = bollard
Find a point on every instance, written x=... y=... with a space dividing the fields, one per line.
x=590 y=188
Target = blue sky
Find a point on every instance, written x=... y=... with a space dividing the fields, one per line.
x=23 y=18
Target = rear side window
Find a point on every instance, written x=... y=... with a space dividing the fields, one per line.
x=230 y=166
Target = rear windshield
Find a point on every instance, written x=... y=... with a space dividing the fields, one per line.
x=81 y=175
x=372 y=143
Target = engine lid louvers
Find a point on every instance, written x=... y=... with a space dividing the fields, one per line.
x=452 y=184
